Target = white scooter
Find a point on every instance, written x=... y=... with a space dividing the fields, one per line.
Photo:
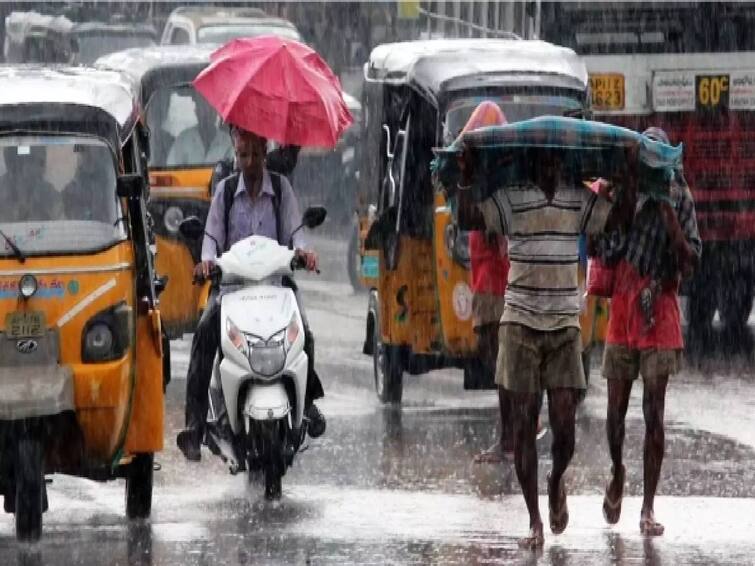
x=256 y=419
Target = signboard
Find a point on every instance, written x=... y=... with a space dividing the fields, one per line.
x=408 y=9
x=607 y=91
x=703 y=91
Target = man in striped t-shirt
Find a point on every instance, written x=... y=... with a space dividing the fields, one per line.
x=539 y=338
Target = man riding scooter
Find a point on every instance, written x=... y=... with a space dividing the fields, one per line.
x=252 y=201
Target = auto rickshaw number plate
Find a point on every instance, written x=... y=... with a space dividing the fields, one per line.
x=24 y=324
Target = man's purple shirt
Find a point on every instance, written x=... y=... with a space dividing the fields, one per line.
x=252 y=216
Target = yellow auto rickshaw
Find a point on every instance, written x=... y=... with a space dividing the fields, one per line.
x=411 y=254
x=81 y=375
x=186 y=140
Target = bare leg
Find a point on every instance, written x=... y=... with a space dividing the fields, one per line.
x=562 y=406
x=653 y=407
x=619 y=391
x=526 y=407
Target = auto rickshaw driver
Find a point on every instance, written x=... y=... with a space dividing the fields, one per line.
x=204 y=142
x=256 y=207
x=24 y=184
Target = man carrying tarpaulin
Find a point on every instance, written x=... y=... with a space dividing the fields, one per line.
x=644 y=331
x=543 y=210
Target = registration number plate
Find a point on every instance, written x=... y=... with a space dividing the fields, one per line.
x=24 y=324
x=607 y=91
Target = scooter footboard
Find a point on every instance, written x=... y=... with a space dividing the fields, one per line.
x=267 y=401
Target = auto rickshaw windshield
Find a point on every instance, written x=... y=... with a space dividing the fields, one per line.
x=184 y=130
x=59 y=195
x=516 y=107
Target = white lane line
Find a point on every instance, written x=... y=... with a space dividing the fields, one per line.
x=86 y=301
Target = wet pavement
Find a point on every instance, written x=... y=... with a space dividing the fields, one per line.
x=398 y=486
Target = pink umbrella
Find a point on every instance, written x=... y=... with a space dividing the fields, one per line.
x=277 y=88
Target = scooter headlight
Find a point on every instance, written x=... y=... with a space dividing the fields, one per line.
x=286 y=336
x=236 y=337
x=267 y=360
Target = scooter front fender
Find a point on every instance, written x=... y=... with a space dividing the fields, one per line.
x=267 y=401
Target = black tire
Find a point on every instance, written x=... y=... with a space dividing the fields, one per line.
x=354 y=260
x=386 y=361
x=274 y=463
x=735 y=306
x=139 y=477
x=30 y=488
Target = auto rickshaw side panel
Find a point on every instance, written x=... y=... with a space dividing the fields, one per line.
x=407 y=298
x=454 y=293
x=145 y=431
x=70 y=294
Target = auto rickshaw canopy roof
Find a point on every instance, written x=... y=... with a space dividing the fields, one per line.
x=68 y=99
x=158 y=67
x=434 y=66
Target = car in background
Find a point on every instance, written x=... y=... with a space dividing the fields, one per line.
x=31 y=37
x=207 y=24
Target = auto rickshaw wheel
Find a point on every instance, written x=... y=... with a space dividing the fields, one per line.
x=30 y=488
x=386 y=360
x=139 y=476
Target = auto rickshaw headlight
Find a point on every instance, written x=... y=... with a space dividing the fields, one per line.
x=27 y=286
x=172 y=219
x=108 y=334
x=98 y=342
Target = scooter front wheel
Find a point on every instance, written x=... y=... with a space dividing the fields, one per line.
x=30 y=488
x=270 y=442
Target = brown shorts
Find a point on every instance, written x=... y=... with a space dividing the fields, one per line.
x=486 y=308
x=621 y=362
x=531 y=361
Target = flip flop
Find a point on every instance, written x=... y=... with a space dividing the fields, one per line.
x=493 y=455
x=649 y=527
x=558 y=519
x=612 y=508
x=532 y=541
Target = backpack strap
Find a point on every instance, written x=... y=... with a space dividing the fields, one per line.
x=229 y=190
x=275 y=178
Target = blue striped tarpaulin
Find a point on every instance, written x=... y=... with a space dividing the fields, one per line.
x=503 y=154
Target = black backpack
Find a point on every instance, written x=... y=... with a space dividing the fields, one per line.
x=229 y=190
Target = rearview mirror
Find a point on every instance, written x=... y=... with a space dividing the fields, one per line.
x=314 y=216
x=130 y=186
x=191 y=228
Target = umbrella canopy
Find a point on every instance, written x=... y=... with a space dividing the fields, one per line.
x=277 y=88
x=589 y=149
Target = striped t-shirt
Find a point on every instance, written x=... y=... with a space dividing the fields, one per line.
x=542 y=291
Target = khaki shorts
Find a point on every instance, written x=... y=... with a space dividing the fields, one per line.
x=621 y=362
x=531 y=361
x=487 y=308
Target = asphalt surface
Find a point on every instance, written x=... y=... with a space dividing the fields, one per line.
x=398 y=486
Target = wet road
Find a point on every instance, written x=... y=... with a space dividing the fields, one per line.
x=387 y=486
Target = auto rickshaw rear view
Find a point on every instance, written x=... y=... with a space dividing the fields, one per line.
x=412 y=255
x=81 y=380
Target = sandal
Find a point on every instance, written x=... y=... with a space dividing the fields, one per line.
x=649 y=527
x=612 y=508
x=533 y=541
x=558 y=519
x=493 y=455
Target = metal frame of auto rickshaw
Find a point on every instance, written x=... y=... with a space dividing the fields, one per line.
x=62 y=409
x=413 y=258
x=176 y=192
